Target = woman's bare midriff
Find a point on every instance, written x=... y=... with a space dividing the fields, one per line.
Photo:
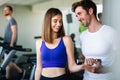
x=53 y=72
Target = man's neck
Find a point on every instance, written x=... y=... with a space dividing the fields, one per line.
x=9 y=17
x=94 y=26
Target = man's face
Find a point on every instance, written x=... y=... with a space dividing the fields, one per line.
x=7 y=11
x=82 y=16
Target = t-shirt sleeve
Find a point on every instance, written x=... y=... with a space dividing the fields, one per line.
x=13 y=22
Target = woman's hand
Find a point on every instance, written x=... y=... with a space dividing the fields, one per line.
x=89 y=61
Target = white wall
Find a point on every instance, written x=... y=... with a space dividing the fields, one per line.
x=111 y=17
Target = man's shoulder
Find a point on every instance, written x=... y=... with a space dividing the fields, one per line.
x=109 y=31
x=109 y=28
x=12 y=19
x=84 y=32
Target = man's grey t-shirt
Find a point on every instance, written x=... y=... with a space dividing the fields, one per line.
x=8 y=31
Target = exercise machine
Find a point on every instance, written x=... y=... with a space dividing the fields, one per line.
x=10 y=55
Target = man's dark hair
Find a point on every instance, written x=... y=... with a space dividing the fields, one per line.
x=86 y=5
x=10 y=7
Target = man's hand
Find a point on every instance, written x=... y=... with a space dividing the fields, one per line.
x=92 y=65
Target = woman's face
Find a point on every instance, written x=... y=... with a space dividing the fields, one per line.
x=56 y=23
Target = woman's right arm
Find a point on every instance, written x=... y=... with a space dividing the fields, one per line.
x=38 y=60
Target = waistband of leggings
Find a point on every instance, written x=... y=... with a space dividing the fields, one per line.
x=63 y=75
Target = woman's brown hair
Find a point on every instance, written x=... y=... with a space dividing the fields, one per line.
x=46 y=29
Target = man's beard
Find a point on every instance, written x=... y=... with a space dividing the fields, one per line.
x=6 y=14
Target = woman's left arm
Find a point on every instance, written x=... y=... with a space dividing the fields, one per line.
x=73 y=67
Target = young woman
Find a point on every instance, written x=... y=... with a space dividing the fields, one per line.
x=54 y=50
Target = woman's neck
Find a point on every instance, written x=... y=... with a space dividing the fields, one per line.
x=54 y=36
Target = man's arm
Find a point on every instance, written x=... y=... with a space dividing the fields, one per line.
x=14 y=34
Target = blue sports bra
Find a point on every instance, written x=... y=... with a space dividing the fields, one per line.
x=56 y=57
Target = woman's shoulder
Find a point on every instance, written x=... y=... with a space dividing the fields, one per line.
x=39 y=42
x=67 y=39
